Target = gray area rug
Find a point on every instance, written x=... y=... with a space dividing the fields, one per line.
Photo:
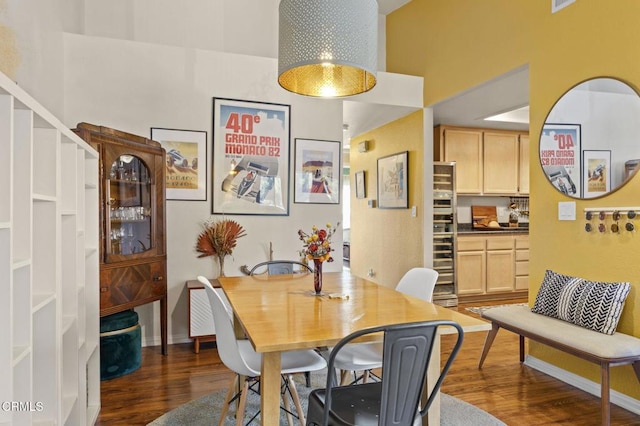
x=206 y=410
x=479 y=309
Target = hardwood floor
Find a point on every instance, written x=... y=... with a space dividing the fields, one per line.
x=515 y=394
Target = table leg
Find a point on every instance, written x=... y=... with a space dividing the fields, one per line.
x=433 y=372
x=237 y=328
x=270 y=389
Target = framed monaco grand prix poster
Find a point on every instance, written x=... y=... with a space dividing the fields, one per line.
x=250 y=157
x=560 y=157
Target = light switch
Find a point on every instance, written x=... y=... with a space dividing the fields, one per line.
x=567 y=210
x=413 y=211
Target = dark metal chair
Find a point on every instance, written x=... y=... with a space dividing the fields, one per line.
x=396 y=399
x=279 y=267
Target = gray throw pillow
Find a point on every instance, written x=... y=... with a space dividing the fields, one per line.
x=590 y=304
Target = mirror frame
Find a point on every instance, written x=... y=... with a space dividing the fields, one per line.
x=573 y=154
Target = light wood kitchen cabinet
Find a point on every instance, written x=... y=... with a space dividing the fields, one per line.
x=471 y=265
x=464 y=146
x=522 y=262
x=488 y=161
x=488 y=266
x=500 y=264
x=500 y=163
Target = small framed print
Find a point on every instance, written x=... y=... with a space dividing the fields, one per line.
x=317 y=172
x=596 y=173
x=361 y=191
x=186 y=167
x=393 y=177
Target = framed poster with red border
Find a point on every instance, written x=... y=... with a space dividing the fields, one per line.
x=250 y=158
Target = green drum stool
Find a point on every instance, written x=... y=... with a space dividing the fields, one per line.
x=120 y=345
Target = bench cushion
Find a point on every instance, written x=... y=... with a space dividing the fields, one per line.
x=590 y=304
x=614 y=346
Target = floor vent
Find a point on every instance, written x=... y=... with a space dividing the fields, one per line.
x=556 y=5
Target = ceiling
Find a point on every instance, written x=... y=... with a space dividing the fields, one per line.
x=470 y=108
x=504 y=93
x=385 y=7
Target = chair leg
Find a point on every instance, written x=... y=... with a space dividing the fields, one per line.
x=242 y=403
x=296 y=399
x=287 y=406
x=604 y=394
x=365 y=376
x=227 y=399
x=307 y=378
x=344 y=377
x=521 y=349
x=491 y=335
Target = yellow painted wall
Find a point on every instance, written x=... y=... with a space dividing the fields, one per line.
x=389 y=241
x=462 y=43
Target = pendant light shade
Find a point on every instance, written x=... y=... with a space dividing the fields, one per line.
x=328 y=48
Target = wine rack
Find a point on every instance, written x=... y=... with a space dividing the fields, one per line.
x=444 y=232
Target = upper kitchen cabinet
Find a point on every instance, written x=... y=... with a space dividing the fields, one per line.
x=500 y=162
x=464 y=146
x=489 y=162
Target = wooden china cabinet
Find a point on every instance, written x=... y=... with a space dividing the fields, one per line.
x=133 y=256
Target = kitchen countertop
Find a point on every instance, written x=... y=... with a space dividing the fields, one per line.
x=467 y=229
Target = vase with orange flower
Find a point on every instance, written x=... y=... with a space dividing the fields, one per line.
x=218 y=238
x=317 y=247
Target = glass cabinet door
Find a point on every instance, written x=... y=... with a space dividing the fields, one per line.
x=130 y=205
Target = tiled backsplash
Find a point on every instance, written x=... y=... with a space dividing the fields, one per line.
x=501 y=203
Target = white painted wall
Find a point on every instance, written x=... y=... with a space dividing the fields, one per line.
x=137 y=64
x=134 y=86
x=248 y=27
x=31 y=46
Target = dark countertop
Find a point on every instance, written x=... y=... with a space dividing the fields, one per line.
x=467 y=229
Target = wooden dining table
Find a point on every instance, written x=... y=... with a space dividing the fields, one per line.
x=279 y=313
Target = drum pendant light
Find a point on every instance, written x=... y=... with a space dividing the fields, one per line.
x=328 y=48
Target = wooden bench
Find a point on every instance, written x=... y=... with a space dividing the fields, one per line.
x=603 y=349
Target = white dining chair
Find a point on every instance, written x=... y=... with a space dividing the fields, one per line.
x=239 y=356
x=417 y=282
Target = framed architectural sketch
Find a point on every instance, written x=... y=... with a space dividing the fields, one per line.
x=317 y=171
x=186 y=167
x=596 y=173
x=393 y=179
x=361 y=191
x=250 y=158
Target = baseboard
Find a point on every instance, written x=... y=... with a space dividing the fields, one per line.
x=171 y=340
x=617 y=398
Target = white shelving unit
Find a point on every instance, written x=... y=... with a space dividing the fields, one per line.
x=49 y=276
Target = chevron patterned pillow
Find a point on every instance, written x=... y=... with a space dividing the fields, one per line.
x=590 y=304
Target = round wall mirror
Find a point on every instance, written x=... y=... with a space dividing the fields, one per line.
x=589 y=144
